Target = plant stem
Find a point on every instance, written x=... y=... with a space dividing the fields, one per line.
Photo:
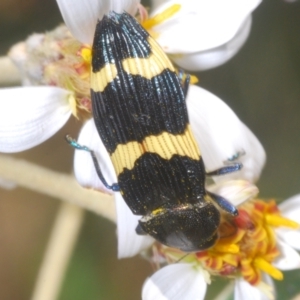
x=55 y=184
x=226 y=292
x=58 y=253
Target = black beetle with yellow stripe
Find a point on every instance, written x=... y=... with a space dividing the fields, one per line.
x=138 y=104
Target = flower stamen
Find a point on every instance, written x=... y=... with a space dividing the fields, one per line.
x=86 y=54
x=160 y=18
x=276 y=221
x=227 y=248
x=265 y=266
x=73 y=105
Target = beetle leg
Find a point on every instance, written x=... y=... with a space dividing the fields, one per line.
x=184 y=82
x=225 y=170
x=114 y=187
x=224 y=204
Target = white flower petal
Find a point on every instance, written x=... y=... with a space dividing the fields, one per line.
x=290 y=208
x=255 y=161
x=214 y=57
x=129 y=243
x=221 y=135
x=81 y=16
x=129 y=6
x=31 y=115
x=175 y=282
x=289 y=236
x=267 y=286
x=236 y=191
x=202 y=25
x=245 y=291
x=84 y=168
x=289 y=258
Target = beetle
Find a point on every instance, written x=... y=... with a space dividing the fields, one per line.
x=139 y=109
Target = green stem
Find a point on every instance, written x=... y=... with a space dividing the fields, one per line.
x=57 y=185
x=226 y=292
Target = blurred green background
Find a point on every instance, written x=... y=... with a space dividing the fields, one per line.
x=261 y=84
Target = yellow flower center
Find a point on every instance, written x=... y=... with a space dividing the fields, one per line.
x=71 y=70
x=59 y=60
x=247 y=245
x=255 y=240
x=86 y=54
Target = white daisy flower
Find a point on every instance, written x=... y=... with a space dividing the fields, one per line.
x=201 y=34
x=55 y=86
x=263 y=245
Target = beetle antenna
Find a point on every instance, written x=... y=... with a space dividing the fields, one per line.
x=181 y=258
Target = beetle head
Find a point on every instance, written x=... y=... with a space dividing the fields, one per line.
x=189 y=227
